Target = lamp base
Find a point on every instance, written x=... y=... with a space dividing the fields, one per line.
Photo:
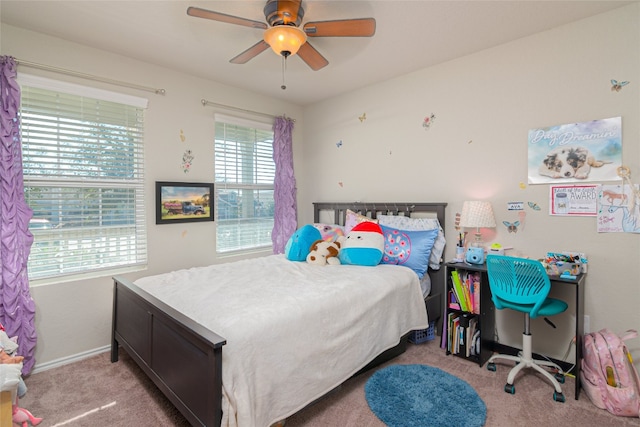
x=477 y=243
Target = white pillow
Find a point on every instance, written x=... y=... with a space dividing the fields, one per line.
x=415 y=224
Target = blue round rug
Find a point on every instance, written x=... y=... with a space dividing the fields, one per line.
x=419 y=395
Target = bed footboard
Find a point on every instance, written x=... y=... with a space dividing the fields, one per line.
x=182 y=358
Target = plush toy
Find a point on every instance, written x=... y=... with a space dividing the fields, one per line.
x=324 y=253
x=21 y=416
x=364 y=245
x=299 y=244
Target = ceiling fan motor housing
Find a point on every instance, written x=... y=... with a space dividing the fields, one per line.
x=283 y=12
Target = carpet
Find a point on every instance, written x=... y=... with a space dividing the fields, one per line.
x=420 y=395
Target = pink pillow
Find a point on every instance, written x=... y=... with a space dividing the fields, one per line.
x=353 y=218
x=330 y=232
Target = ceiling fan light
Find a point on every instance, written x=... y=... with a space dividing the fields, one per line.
x=285 y=40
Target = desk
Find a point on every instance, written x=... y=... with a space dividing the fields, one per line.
x=487 y=317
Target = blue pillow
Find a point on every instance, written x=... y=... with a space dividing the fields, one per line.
x=408 y=248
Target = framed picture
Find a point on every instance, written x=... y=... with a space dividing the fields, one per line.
x=178 y=202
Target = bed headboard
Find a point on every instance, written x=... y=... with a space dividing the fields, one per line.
x=338 y=210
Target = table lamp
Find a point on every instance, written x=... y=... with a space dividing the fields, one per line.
x=477 y=214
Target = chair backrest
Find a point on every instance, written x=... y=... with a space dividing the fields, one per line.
x=517 y=280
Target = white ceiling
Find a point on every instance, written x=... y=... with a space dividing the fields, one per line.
x=410 y=35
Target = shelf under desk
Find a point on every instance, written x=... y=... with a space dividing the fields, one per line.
x=578 y=286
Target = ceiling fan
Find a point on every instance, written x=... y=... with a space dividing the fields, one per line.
x=284 y=35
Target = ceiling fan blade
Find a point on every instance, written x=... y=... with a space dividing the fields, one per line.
x=223 y=17
x=364 y=27
x=312 y=57
x=250 y=53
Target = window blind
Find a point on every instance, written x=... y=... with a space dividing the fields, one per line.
x=244 y=176
x=83 y=166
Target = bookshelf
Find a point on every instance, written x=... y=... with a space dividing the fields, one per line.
x=470 y=314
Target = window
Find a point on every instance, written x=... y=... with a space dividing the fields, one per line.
x=244 y=175
x=83 y=164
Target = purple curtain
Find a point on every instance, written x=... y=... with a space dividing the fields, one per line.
x=285 y=217
x=17 y=309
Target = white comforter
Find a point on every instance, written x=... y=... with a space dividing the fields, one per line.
x=294 y=331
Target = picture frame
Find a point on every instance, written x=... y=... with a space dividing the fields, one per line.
x=180 y=202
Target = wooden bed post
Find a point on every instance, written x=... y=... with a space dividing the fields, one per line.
x=156 y=336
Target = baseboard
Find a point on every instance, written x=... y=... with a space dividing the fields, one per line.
x=70 y=359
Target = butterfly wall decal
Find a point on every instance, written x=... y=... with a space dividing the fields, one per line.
x=616 y=85
x=512 y=226
x=534 y=206
x=339 y=144
x=363 y=117
x=428 y=121
x=187 y=161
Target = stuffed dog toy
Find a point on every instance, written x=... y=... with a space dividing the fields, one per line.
x=324 y=253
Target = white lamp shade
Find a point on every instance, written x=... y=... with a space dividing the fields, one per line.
x=477 y=214
x=285 y=40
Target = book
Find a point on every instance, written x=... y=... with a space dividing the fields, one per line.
x=458 y=288
x=476 y=295
x=451 y=330
x=453 y=302
x=469 y=290
x=471 y=331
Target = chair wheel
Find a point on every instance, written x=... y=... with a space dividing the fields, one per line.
x=491 y=367
x=559 y=377
x=510 y=388
x=558 y=397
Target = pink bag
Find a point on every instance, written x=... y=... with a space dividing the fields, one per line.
x=608 y=376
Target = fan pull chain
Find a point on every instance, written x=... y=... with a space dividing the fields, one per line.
x=284 y=67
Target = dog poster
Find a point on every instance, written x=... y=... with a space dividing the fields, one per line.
x=576 y=152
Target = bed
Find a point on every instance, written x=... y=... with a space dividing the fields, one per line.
x=271 y=371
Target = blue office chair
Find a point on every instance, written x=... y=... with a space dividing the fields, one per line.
x=523 y=285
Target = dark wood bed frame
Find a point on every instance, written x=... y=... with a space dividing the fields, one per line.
x=184 y=359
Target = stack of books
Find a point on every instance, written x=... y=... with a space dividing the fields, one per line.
x=463 y=332
x=465 y=291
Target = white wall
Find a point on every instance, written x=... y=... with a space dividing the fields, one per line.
x=75 y=317
x=476 y=148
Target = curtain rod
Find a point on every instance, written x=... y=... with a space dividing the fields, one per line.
x=88 y=76
x=242 y=110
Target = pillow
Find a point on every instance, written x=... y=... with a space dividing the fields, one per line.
x=408 y=248
x=363 y=245
x=353 y=218
x=330 y=232
x=299 y=244
x=407 y=223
